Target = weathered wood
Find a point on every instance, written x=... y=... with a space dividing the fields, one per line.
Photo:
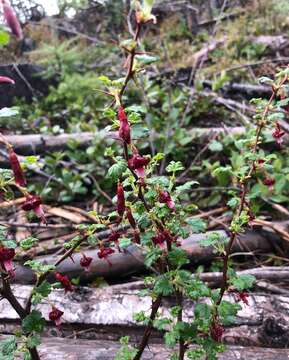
x=131 y=260
x=66 y=349
x=108 y=313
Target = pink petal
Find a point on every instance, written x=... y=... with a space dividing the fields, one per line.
x=140 y=172
x=171 y=205
x=7 y=80
x=8 y=266
x=40 y=213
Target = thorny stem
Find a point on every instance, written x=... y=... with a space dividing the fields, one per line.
x=156 y=303
x=7 y=293
x=41 y=278
x=244 y=191
x=147 y=333
x=182 y=345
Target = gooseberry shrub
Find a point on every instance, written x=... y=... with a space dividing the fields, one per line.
x=155 y=218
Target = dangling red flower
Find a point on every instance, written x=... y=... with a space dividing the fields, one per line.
x=12 y=20
x=16 y=168
x=278 y=133
x=104 y=254
x=138 y=164
x=85 y=262
x=159 y=239
x=120 y=200
x=270 y=182
x=65 y=282
x=34 y=202
x=242 y=296
x=217 y=331
x=55 y=315
x=165 y=198
x=6 y=257
x=124 y=128
x=6 y=80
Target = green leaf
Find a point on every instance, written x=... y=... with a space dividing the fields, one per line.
x=228 y=312
x=197 y=225
x=33 y=341
x=216 y=146
x=39 y=267
x=185 y=187
x=243 y=282
x=4 y=38
x=178 y=257
x=174 y=166
x=116 y=170
x=28 y=243
x=163 y=286
x=8 y=346
x=33 y=322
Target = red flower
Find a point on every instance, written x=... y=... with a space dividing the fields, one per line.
x=242 y=296
x=217 y=331
x=120 y=200
x=268 y=181
x=34 y=202
x=6 y=257
x=12 y=20
x=6 y=80
x=104 y=254
x=165 y=198
x=124 y=128
x=130 y=218
x=55 y=315
x=65 y=282
x=159 y=239
x=278 y=133
x=16 y=167
x=114 y=237
x=85 y=262
x=138 y=163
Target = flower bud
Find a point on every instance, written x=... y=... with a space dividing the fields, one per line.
x=65 y=282
x=34 y=202
x=120 y=200
x=165 y=198
x=55 y=315
x=85 y=262
x=6 y=80
x=278 y=133
x=12 y=20
x=6 y=257
x=16 y=168
x=242 y=296
x=138 y=163
x=270 y=182
x=124 y=128
x=104 y=254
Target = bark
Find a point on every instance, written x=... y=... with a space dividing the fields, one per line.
x=131 y=260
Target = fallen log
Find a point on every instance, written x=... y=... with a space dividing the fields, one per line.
x=40 y=144
x=131 y=260
x=108 y=313
x=60 y=349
